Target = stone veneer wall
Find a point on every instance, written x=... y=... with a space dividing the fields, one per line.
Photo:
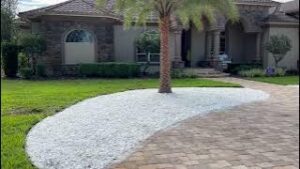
x=54 y=29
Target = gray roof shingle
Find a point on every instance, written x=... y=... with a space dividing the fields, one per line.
x=281 y=17
x=78 y=7
x=292 y=6
x=88 y=7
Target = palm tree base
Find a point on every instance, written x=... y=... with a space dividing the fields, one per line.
x=164 y=90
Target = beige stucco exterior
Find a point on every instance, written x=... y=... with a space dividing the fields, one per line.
x=79 y=52
x=291 y=58
x=197 y=45
x=124 y=42
x=113 y=43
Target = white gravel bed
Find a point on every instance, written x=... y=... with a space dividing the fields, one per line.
x=294 y=86
x=102 y=130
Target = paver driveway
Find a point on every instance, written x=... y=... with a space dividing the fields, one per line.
x=262 y=135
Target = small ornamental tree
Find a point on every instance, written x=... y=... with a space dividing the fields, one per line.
x=32 y=45
x=278 y=46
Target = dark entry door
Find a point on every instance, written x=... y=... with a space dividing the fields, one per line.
x=186 y=47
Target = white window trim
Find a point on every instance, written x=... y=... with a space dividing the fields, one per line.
x=148 y=57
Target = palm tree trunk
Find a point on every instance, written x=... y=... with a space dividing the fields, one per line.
x=165 y=64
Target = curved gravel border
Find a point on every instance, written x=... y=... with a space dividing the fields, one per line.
x=295 y=86
x=98 y=131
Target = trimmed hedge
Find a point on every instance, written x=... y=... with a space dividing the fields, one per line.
x=236 y=68
x=41 y=70
x=10 y=53
x=26 y=73
x=262 y=73
x=252 y=73
x=110 y=70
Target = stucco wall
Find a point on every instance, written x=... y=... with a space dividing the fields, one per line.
x=234 y=44
x=290 y=60
x=35 y=27
x=124 y=42
x=249 y=50
x=197 y=46
x=240 y=46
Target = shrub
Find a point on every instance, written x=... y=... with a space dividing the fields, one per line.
x=148 y=42
x=236 y=68
x=280 y=72
x=32 y=45
x=179 y=73
x=262 y=73
x=110 y=70
x=23 y=60
x=10 y=59
x=40 y=70
x=26 y=73
x=252 y=73
x=275 y=71
x=292 y=72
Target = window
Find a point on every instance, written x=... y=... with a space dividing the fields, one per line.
x=148 y=47
x=79 y=36
x=150 y=57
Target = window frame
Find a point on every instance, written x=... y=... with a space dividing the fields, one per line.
x=149 y=58
x=89 y=35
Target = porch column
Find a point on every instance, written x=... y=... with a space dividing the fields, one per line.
x=216 y=44
x=258 y=47
x=208 y=45
x=177 y=62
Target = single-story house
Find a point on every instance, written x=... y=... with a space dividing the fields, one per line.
x=77 y=31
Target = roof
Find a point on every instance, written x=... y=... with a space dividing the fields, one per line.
x=269 y=3
x=75 y=7
x=89 y=8
x=280 y=17
x=289 y=7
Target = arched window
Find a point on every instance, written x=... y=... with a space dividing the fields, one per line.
x=79 y=36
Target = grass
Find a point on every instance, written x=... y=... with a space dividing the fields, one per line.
x=25 y=103
x=285 y=80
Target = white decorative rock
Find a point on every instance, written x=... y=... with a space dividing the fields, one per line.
x=98 y=131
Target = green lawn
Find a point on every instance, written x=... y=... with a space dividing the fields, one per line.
x=286 y=80
x=24 y=103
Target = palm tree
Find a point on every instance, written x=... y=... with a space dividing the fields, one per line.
x=137 y=12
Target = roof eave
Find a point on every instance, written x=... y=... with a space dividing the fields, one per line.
x=267 y=4
x=273 y=23
x=85 y=15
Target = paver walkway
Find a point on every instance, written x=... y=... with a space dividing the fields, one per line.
x=262 y=135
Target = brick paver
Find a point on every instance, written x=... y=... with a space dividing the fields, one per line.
x=261 y=135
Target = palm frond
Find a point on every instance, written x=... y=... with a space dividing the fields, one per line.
x=137 y=12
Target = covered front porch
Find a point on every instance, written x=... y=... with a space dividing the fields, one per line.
x=217 y=45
